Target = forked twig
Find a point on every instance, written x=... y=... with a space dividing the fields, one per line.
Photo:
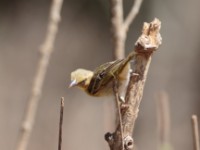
x=120 y=26
x=60 y=124
x=46 y=50
x=195 y=132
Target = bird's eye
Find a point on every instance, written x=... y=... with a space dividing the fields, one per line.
x=101 y=75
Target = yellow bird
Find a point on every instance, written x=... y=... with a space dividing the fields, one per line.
x=100 y=81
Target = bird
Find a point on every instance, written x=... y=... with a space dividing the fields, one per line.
x=100 y=81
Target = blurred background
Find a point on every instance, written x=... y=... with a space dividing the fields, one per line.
x=84 y=41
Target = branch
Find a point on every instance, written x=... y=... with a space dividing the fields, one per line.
x=36 y=91
x=195 y=132
x=60 y=124
x=132 y=14
x=147 y=43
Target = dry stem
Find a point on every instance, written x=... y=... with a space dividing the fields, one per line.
x=163 y=117
x=195 y=132
x=115 y=90
x=60 y=124
x=36 y=91
x=147 y=43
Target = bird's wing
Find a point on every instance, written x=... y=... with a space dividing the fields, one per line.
x=103 y=75
x=107 y=72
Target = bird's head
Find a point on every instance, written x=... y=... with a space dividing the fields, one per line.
x=81 y=78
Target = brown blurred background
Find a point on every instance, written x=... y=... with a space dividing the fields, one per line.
x=84 y=40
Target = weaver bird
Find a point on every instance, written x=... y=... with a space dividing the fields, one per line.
x=100 y=81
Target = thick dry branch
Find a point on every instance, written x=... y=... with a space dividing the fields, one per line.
x=60 y=124
x=36 y=91
x=147 y=43
x=119 y=33
x=195 y=132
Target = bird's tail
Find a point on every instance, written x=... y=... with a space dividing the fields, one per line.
x=126 y=60
x=130 y=56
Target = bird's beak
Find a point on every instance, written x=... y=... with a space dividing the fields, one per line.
x=73 y=83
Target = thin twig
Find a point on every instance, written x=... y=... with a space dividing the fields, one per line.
x=36 y=91
x=132 y=14
x=60 y=124
x=115 y=89
x=163 y=118
x=195 y=132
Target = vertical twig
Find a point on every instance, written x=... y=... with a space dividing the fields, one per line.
x=163 y=118
x=117 y=28
x=46 y=50
x=119 y=45
x=195 y=132
x=115 y=89
x=60 y=124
